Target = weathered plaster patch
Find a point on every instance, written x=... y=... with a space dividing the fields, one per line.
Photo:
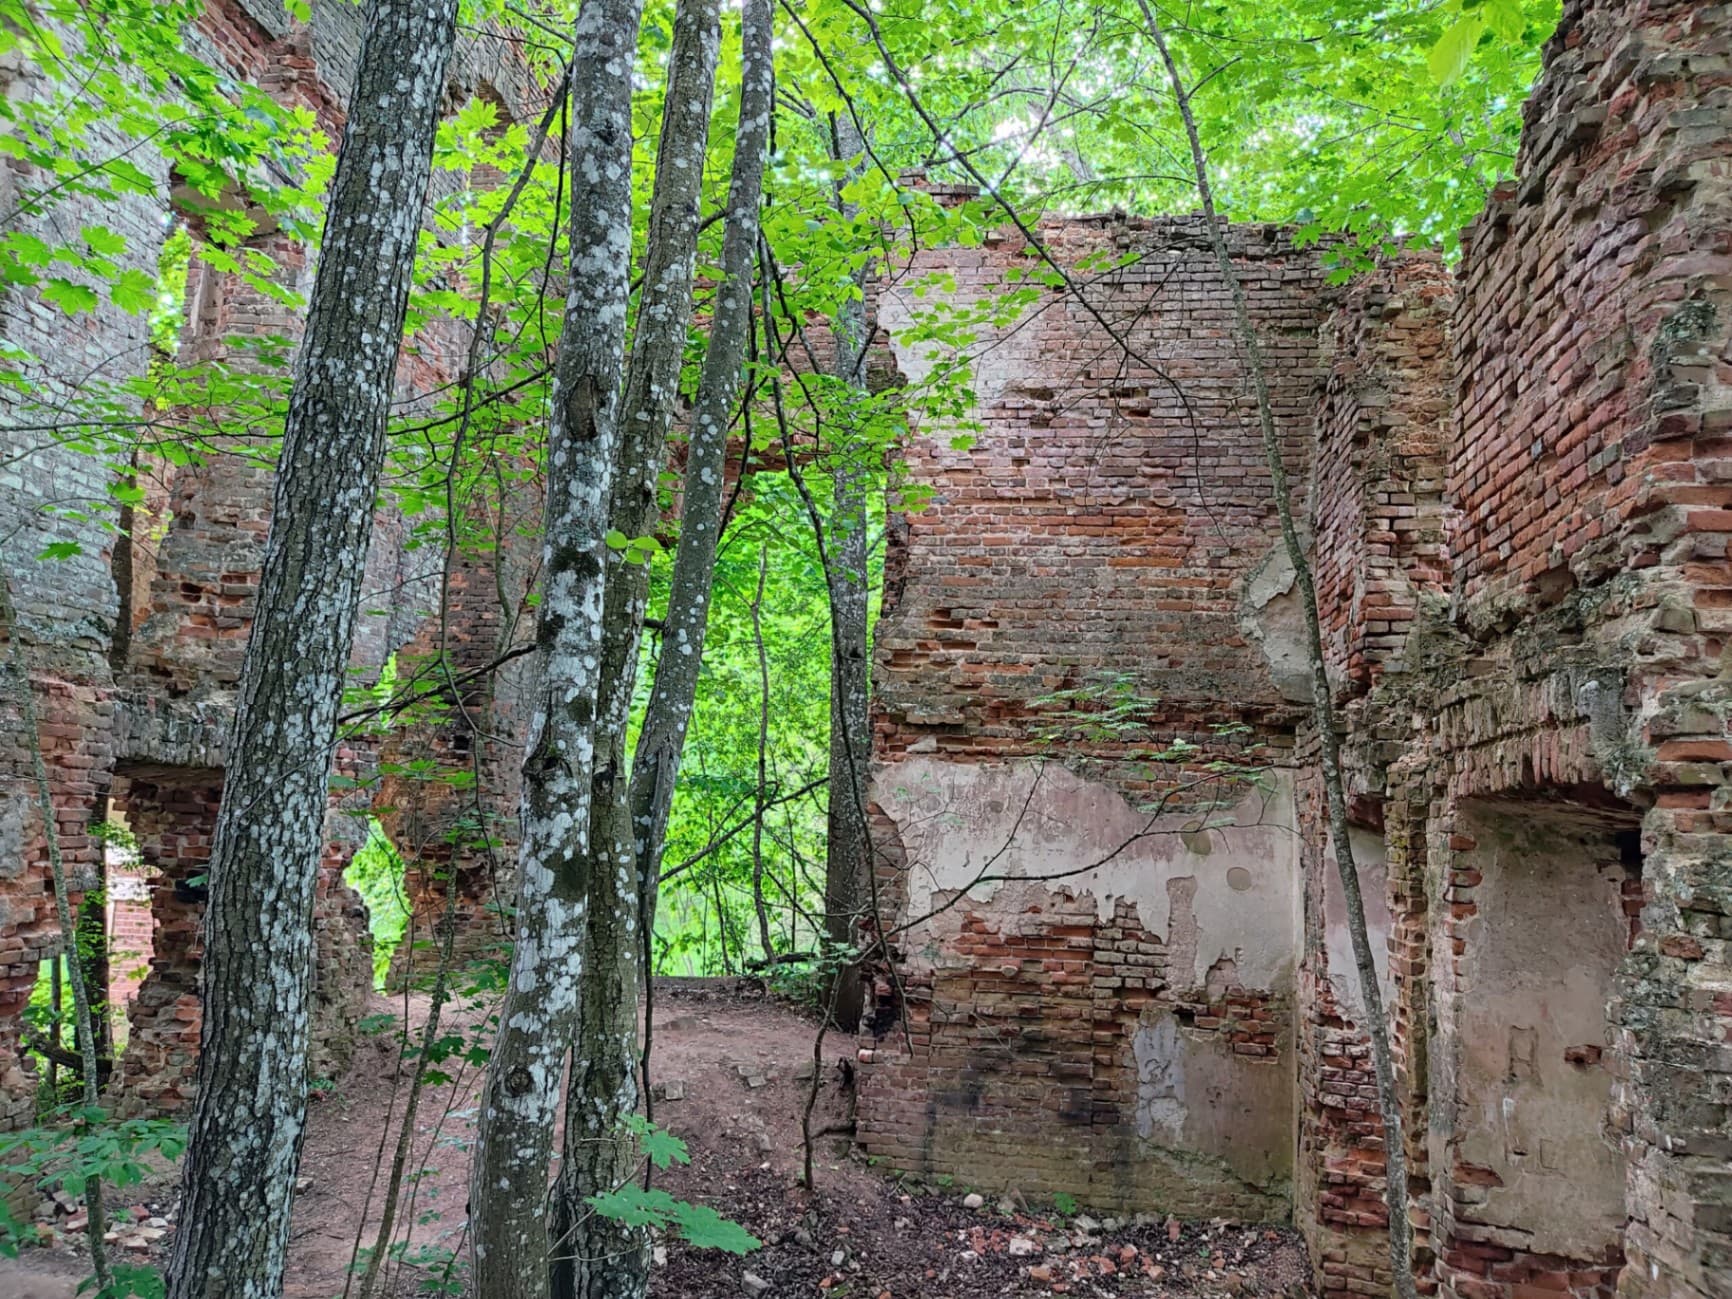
x=1525 y=1031
x=1271 y=616
x=1369 y=858
x=962 y=822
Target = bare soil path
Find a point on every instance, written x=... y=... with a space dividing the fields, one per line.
x=731 y=1071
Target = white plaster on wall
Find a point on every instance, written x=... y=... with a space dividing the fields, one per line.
x=1373 y=867
x=958 y=822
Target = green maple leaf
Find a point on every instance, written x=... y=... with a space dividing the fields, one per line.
x=69 y=297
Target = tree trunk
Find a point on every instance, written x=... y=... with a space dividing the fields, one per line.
x=761 y=791
x=509 y=1178
x=848 y=852
x=252 y=1074
x=662 y=739
x=595 y=1257
x=1322 y=708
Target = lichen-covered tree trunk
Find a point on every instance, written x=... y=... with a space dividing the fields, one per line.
x=594 y=1257
x=668 y=715
x=509 y=1180
x=252 y=1074
x=1322 y=703
x=848 y=854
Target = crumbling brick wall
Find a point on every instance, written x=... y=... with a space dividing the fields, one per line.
x=1133 y=1004
x=1521 y=510
x=134 y=648
x=1548 y=764
x=1377 y=505
x=1115 y=494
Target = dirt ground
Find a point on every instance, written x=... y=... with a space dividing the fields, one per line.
x=732 y=1070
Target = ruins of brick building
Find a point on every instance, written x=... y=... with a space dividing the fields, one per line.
x=134 y=644
x=1518 y=483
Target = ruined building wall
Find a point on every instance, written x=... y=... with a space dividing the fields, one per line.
x=1382 y=567
x=1129 y=993
x=134 y=646
x=1592 y=345
x=1545 y=766
x=1521 y=506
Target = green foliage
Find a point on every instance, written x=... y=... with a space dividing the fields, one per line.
x=376 y=873
x=696 y=1224
x=81 y=1144
x=661 y=1147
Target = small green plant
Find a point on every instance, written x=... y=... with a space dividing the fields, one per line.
x=86 y=1143
x=126 y=1281
x=696 y=1224
x=1065 y=1203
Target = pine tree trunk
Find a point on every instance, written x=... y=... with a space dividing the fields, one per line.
x=252 y=1075
x=595 y=1257
x=847 y=855
x=1322 y=708
x=509 y=1178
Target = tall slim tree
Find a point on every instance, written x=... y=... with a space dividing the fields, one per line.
x=258 y=967
x=1322 y=698
x=661 y=740
x=596 y=1257
x=509 y=1180
x=848 y=851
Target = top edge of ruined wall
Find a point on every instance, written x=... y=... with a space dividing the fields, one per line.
x=1593 y=301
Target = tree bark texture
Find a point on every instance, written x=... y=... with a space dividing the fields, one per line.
x=509 y=1178
x=252 y=1073
x=848 y=854
x=1322 y=707
x=595 y=1257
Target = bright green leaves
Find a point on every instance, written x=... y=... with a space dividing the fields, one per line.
x=1505 y=20
x=1448 y=58
x=661 y=1147
x=635 y=550
x=69 y=297
x=696 y=1224
x=134 y=290
x=104 y=241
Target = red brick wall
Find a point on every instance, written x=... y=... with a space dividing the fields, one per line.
x=1586 y=286
x=129 y=934
x=1110 y=517
x=1020 y=1067
x=173 y=822
x=1382 y=437
x=1101 y=507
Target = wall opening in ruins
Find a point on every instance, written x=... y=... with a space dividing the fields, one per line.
x=1545 y=900
x=376 y=872
x=172 y=815
x=126 y=905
